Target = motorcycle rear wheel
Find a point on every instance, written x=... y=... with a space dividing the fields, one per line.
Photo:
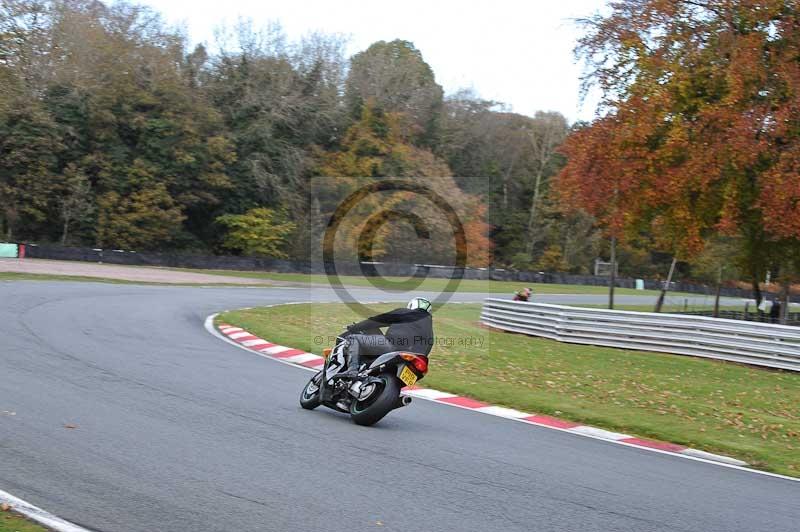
x=377 y=405
x=309 y=397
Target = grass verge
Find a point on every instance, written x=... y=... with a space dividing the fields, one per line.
x=12 y=522
x=736 y=410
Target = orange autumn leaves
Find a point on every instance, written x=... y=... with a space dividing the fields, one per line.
x=377 y=147
x=702 y=130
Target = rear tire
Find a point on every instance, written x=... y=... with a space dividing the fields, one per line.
x=375 y=407
x=309 y=397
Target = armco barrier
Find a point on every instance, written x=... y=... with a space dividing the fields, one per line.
x=762 y=344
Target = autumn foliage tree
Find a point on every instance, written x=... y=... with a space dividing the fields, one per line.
x=115 y=132
x=700 y=131
x=379 y=146
x=257 y=232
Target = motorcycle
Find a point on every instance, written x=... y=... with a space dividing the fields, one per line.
x=373 y=393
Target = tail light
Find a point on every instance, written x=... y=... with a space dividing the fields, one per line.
x=419 y=362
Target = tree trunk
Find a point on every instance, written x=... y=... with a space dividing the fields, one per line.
x=507 y=176
x=532 y=215
x=663 y=294
x=613 y=275
x=757 y=290
x=65 y=232
x=716 y=297
x=784 y=315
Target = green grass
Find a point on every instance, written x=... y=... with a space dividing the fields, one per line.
x=11 y=522
x=430 y=284
x=740 y=411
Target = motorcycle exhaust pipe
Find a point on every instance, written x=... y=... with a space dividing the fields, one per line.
x=402 y=401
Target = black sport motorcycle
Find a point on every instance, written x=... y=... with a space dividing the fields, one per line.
x=373 y=393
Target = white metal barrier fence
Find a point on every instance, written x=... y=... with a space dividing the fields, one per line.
x=763 y=344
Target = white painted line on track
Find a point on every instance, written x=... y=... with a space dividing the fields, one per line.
x=35 y=513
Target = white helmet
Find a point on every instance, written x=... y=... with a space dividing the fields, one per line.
x=420 y=303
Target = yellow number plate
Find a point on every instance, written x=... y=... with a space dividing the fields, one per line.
x=408 y=376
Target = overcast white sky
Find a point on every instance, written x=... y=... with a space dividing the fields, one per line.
x=518 y=52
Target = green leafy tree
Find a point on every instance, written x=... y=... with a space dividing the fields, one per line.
x=147 y=218
x=259 y=231
x=29 y=148
x=552 y=260
x=508 y=160
x=76 y=202
x=393 y=76
x=378 y=146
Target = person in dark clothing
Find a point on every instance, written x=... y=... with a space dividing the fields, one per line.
x=775 y=311
x=410 y=329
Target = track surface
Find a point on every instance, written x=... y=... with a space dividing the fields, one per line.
x=178 y=431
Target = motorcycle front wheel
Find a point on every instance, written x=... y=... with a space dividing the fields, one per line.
x=379 y=403
x=309 y=397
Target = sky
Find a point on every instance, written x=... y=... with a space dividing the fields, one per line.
x=513 y=51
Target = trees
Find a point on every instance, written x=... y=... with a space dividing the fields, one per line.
x=76 y=202
x=29 y=148
x=700 y=127
x=281 y=104
x=114 y=133
x=549 y=131
x=119 y=120
x=393 y=76
x=378 y=146
x=257 y=232
x=508 y=159
x=143 y=219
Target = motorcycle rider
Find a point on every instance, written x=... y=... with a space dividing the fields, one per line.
x=523 y=295
x=410 y=329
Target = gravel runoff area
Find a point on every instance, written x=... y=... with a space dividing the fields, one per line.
x=122 y=273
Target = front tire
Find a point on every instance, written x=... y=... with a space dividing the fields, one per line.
x=380 y=403
x=309 y=397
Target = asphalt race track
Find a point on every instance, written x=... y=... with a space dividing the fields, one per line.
x=175 y=430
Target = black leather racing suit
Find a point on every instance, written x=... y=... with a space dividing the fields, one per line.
x=409 y=330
